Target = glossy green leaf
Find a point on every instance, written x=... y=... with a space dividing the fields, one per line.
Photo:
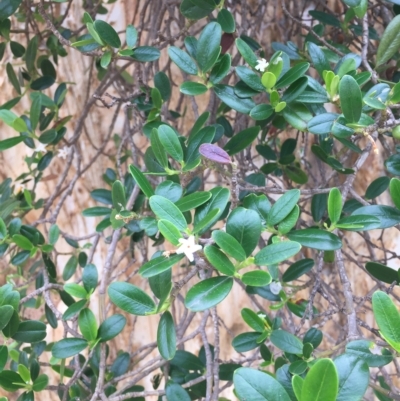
x=241 y=140
x=353 y=377
x=165 y=209
x=131 y=36
x=292 y=75
x=229 y=245
x=208 y=46
x=169 y=231
x=40 y=383
x=8 y=8
x=245 y=226
x=182 y=60
x=166 y=336
x=75 y=290
x=131 y=299
x=254 y=385
x=208 y=221
x=256 y=278
x=208 y=293
x=191 y=11
x=395 y=191
x=220 y=69
x=10 y=142
x=158 y=265
x=87 y=324
x=192 y=201
x=227 y=94
x=253 y=320
x=250 y=78
x=377 y=187
x=193 y=88
x=322 y=123
x=350 y=99
x=107 y=33
x=246 y=52
x=170 y=142
x=246 y=342
x=392 y=164
x=388 y=216
x=226 y=20
x=175 y=392
x=358 y=223
x=390 y=42
x=261 y=112
x=219 y=260
x=68 y=347
x=146 y=54
x=6 y=312
x=118 y=196
x=387 y=317
x=276 y=253
x=321 y=382
x=287 y=342
x=318 y=58
x=141 y=180
x=316 y=239
x=283 y=206
x=362 y=350
x=111 y=327
x=334 y=205
x=30 y=331
x=10 y=380
x=297 y=269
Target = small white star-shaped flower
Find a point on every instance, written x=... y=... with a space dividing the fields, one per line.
x=188 y=247
x=40 y=148
x=275 y=287
x=262 y=65
x=64 y=152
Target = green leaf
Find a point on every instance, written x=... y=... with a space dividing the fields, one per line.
x=392 y=164
x=90 y=278
x=10 y=142
x=196 y=139
x=162 y=83
x=322 y=123
x=6 y=312
x=158 y=265
x=353 y=377
x=87 y=324
x=158 y=149
x=207 y=221
x=395 y=191
x=166 y=336
x=361 y=349
x=295 y=90
x=254 y=385
x=22 y=242
x=318 y=58
x=118 y=196
x=261 y=112
x=246 y=52
x=388 y=216
x=256 y=278
x=276 y=253
x=105 y=59
x=141 y=180
x=40 y=383
x=316 y=239
x=350 y=99
x=219 y=260
x=227 y=94
x=10 y=380
x=8 y=8
x=75 y=290
x=174 y=391
x=229 y=245
x=146 y=54
x=131 y=36
x=226 y=20
x=246 y=342
x=321 y=382
x=193 y=88
x=30 y=331
x=13 y=78
x=192 y=201
x=165 y=209
x=253 y=320
x=334 y=205
x=96 y=211
x=208 y=293
x=387 y=317
x=208 y=46
x=297 y=385
x=358 y=223
x=68 y=347
x=220 y=69
x=241 y=140
x=74 y=308
x=169 y=231
x=377 y=187
x=352 y=3
x=111 y=327
x=292 y=75
x=297 y=269
x=250 y=78
x=245 y=226
x=170 y=142
x=287 y=342
x=70 y=268
x=268 y=80
x=283 y=206
x=131 y=299
x=107 y=33
x=390 y=42
x=182 y=60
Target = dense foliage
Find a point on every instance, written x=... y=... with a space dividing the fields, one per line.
x=257 y=197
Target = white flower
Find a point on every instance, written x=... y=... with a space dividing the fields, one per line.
x=46 y=112
x=262 y=65
x=64 y=152
x=275 y=287
x=40 y=148
x=188 y=247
